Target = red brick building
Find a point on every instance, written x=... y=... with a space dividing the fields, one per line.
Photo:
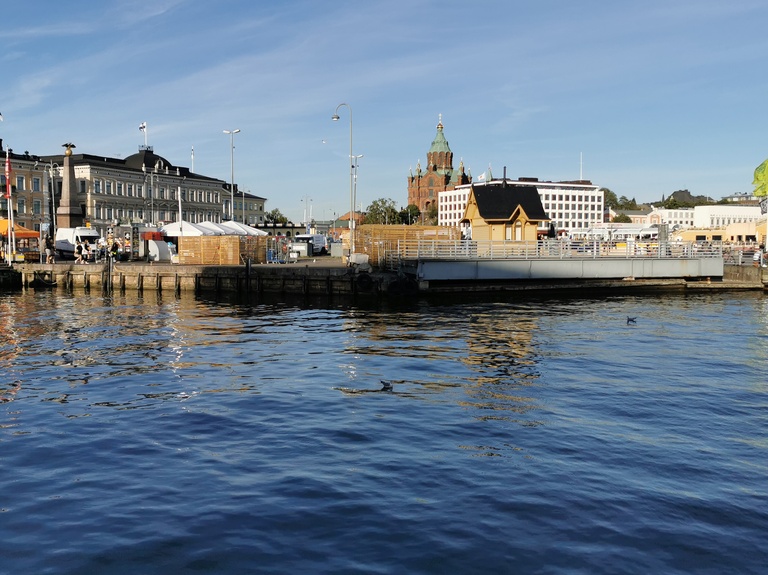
x=439 y=175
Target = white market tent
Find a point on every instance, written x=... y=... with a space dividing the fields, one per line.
x=217 y=229
x=248 y=230
x=175 y=229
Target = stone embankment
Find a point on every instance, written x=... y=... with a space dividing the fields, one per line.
x=321 y=276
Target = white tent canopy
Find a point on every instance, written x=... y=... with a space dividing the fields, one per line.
x=217 y=229
x=176 y=229
x=242 y=228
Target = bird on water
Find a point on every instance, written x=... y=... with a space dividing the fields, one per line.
x=631 y=320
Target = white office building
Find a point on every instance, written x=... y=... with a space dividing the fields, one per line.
x=573 y=207
x=678 y=218
x=721 y=215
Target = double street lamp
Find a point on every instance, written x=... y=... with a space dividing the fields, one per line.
x=51 y=170
x=352 y=170
x=232 y=170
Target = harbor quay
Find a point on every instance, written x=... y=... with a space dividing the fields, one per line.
x=333 y=277
x=309 y=277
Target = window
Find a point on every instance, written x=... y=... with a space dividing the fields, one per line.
x=36 y=184
x=108 y=190
x=139 y=191
x=82 y=186
x=129 y=190
x=19 y=183
x=119 y=188
x=37 y=207
x=96 y=186
x=21 y=206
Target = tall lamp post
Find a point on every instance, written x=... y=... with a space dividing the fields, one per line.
x=354 y=188
x=181 y=221
x=159 y=165
x=232 y=169
x=52 y=168
x=335 y=118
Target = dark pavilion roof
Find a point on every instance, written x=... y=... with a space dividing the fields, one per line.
x=144 y=158
x=499 y=201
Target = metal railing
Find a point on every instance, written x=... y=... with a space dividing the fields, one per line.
x=396 y=252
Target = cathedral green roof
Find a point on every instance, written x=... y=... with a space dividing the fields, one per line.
x=440 y=144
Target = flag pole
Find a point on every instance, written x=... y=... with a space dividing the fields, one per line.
x=11 y=252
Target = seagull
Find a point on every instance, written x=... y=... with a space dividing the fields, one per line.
x=386 y=386
x=631 y=320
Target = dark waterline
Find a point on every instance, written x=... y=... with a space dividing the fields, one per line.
x=449 y=435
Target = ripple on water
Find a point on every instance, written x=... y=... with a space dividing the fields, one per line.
x=163 y=435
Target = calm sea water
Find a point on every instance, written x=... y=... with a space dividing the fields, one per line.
x=535 y=435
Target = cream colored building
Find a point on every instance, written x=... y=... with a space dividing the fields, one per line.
x=143 y=188
x=571 y=206
x=504 y=212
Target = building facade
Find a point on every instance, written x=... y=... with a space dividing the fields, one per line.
x=143 y=188
x=572 y=207
x=721 y=215
x=438 y=176
x=677 y=218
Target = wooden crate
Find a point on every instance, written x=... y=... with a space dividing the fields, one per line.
x=222 y=250
x=375 y=240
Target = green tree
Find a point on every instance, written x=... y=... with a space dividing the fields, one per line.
x=410 y=215
x=430 y=217
x=622 y=219
x=610 y=199
x=382 y=211
x=626 y=204
x=275 y=217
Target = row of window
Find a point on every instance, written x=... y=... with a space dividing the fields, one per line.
x=569 y=198
x=564 y=224
x=722 y=222
x=591 y=207
x=129 y=190
x=21 y=183
x=585 y=216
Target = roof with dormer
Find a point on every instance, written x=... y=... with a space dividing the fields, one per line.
x=499 y=202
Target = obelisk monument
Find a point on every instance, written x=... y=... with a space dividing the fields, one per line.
x=69 y=214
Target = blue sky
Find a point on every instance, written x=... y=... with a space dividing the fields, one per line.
x=644 y=98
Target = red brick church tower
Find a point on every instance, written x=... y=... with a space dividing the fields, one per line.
x=439 y=175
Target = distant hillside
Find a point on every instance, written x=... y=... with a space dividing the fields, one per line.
x=683 y=199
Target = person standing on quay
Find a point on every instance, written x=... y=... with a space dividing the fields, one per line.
x=49 y=250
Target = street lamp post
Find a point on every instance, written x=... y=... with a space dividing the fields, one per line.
x=52 y=200
x=181 y=221
x=335 y=118
x=305 y=200
x=354 y=188
x=232 y=169
x=159 y=164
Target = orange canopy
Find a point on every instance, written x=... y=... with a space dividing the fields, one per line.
x=19 y=231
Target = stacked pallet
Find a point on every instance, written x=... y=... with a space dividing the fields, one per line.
x=377 y=240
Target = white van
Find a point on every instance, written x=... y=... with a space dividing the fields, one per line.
x=319 y=242
x=67 y=238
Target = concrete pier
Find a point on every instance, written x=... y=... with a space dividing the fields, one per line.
x=330 y=276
